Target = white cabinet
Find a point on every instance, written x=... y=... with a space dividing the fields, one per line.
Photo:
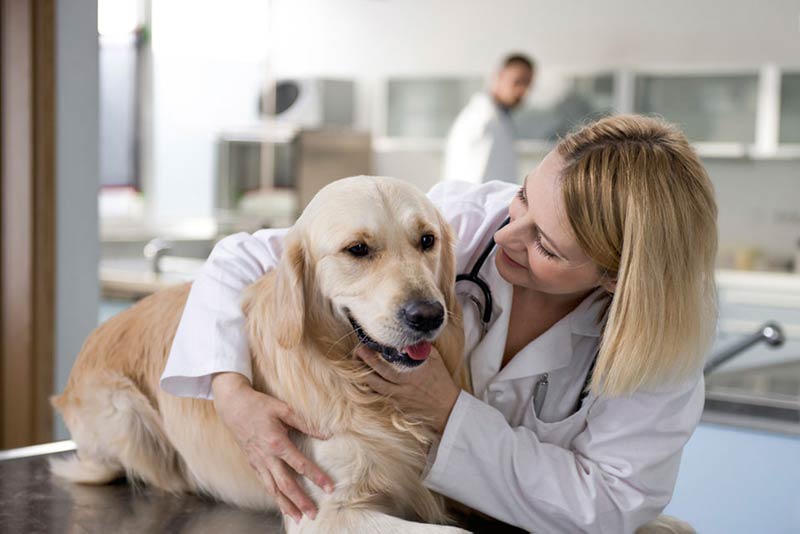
x=753 y=112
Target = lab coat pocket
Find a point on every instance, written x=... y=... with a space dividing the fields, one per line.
x=560 y=431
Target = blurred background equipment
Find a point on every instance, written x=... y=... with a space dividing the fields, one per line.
x=272 y=168
x=312 y=102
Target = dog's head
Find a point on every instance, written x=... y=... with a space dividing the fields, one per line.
x=373 y=254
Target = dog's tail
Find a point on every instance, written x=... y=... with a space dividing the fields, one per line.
x=118 y=432
x=77 y=468
x=85 y=470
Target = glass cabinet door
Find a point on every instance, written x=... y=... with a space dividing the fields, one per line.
x=709 y=108
x=426 y=108
x=560 y=104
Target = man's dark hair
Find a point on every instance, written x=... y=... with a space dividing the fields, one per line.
x=519 y=59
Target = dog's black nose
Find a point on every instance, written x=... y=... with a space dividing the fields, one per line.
x=423 y=316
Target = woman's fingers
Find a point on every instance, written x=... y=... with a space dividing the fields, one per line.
x=378 y=384
x=289 y=488
x=286 y=506
x=297 y=461
x=289 y=453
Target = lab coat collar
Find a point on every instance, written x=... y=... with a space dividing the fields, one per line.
x=553 y=349
x=488 y=353
x=589 y=318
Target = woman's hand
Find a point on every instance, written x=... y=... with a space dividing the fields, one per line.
x=259 y=424
x=428 y=390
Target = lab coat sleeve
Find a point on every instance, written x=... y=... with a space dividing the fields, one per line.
x=211 y=336
x=618 y=474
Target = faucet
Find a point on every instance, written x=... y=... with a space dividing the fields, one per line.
x=770 y=333
x=154 y=250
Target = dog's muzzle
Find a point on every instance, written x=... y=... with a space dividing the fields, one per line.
x=410 y=356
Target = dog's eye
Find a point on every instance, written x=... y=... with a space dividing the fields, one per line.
x=427 y=241
x=359 y=250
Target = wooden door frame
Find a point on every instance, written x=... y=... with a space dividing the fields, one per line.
x=27 y=202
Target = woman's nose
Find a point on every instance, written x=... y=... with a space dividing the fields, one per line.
x=509 y=236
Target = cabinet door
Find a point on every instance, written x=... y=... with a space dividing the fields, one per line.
x=790 y=108
x=709 y=108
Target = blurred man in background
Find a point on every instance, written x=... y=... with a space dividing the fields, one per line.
x=480 y=145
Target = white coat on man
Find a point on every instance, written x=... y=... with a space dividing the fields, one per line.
x=480 y=145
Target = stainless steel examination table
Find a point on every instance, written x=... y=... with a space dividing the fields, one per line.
x=31 y=502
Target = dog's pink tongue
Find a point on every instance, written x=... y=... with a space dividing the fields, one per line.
x=420 y=351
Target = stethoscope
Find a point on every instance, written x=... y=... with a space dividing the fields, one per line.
x=485 y=309
x=485 y=314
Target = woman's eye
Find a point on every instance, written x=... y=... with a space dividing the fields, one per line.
x=359 y=250
x=521 y=195
x=427 y=241
x=543 y=251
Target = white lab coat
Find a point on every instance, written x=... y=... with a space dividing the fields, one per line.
x=609 y=467
x=480 y=145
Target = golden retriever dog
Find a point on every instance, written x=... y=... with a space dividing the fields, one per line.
x=369 y=261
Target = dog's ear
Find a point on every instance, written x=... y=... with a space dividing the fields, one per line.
x=289 y=305
x=450 y=343
x=447 y=269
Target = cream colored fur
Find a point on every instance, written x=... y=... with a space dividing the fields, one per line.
x=301 y=346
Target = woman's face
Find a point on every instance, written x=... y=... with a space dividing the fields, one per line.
x=537 y=249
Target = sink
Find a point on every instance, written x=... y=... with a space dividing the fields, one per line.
x=765 y=397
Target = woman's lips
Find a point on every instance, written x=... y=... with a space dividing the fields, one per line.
x=508 y=259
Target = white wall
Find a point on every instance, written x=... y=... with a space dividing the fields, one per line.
x=77 y=179
x=759 y=206
x=369 y=37
x=208 y=66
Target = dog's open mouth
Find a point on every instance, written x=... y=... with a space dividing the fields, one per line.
x=409 y=356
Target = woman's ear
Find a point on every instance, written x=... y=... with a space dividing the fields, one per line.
x=289 y=304
x=609 y=283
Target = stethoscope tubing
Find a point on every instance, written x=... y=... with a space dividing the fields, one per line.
x=486 y=313
x=474 y=277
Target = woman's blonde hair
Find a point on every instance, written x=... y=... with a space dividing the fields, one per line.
x=642 y=208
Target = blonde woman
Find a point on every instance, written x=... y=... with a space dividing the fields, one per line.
x=586 y=371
